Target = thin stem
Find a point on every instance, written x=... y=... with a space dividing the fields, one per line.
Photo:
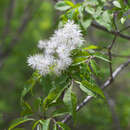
x=110 y=55
x=111 y=32
x=111 y=45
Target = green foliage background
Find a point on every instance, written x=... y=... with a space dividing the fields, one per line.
x=15 y=72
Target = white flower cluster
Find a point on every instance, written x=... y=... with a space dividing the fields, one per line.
x=57 y=51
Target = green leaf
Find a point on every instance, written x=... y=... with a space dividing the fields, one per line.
x=79 y=60
x=117 y=4
x=67 y=98
x=100 y=56
x=94 y=88
x=30 y=84
x=36 y=104
x=98 y=13
x=101 y=16
x=70 y=14
x=123 y=19
x=63 y=126
x=85 y=89
x=91 y=47
x=63 y=5
x=105 y=19
x=86 y=23
x=55 y=127
x=35 y=125
x=69 y=3
x=45 y=124
x=91 y=2
x=20 y=121
x=80 y=10
x=70 y=101
x=90 y=10
x=74 y=105
x=94 y=67
x=27 y=110
x=53 y=96
x=59 y=114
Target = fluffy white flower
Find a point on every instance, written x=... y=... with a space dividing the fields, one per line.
x=73 y=34
x=57 y=50
x=41 y=63
x=51 y=47
x=63 y=51
x=62 y=64
x=42 y=44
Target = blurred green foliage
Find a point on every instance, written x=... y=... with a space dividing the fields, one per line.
x=11 y=79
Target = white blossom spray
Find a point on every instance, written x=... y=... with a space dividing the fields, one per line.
x=57 y=51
